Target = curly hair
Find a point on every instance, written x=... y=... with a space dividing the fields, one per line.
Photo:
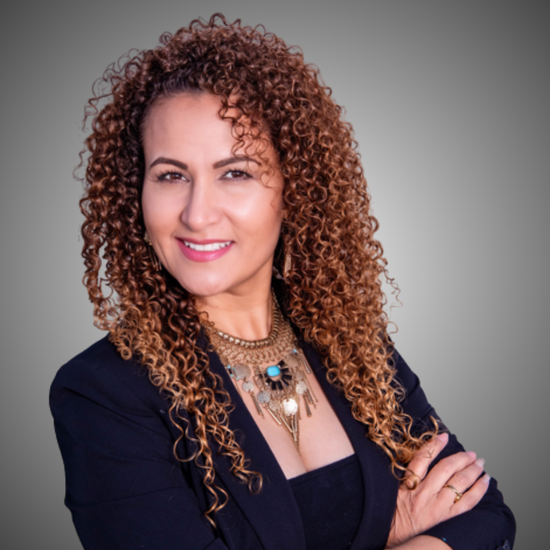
x=333 y=294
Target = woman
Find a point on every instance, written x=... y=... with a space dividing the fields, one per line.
x=225 y=195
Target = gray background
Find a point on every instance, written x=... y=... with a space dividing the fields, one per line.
x=450 y=105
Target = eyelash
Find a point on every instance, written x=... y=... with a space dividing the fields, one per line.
x=163 y=175
x=243 y=174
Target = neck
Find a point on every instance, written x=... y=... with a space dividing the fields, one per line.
x=247 y=316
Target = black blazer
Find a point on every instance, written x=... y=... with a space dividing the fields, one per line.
x=125 y=489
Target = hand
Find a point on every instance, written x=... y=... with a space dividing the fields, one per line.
x=431 y=502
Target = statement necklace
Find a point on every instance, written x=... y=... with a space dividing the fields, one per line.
x=273 y=371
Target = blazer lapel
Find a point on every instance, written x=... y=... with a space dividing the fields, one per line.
x=274 y=506
x=379 y=484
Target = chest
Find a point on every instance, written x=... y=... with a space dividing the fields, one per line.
x=322 y=439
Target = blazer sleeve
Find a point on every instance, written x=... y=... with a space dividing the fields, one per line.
x=488 y=526
x=124 y=487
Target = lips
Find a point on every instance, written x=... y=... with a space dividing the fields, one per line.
x=210 y=247
x=204 y=251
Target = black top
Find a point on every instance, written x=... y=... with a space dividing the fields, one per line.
x=126 y=490
x=330 y=500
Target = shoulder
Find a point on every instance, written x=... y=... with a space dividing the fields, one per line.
x=100 y=374
x=405 y=377
x=414 y=401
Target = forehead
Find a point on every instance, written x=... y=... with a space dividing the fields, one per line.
x=180 y=116
x=191 y=122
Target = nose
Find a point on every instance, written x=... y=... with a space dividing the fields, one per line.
x=201 y=209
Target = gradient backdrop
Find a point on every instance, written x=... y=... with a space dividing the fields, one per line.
x=449 y=101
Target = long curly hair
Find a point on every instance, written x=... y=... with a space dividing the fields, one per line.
x=333 y=294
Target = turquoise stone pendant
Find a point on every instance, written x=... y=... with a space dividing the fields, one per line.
x=273 y=371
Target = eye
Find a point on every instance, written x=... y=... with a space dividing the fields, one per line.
x=237 y=175
x=171 y=176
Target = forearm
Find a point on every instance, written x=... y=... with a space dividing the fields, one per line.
x=422 y=542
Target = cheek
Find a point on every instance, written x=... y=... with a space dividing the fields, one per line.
x=250 y=204
x=159 y=212
x=265 y=223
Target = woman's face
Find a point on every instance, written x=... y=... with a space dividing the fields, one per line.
x=214 y=221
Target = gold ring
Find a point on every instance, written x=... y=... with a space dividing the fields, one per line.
x=458 y=495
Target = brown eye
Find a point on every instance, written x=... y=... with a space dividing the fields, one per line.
x=237 y=175
x=170 y=176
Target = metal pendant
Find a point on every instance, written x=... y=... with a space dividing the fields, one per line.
x=241 y=371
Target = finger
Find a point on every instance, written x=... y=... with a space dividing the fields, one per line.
x=471 y=497
x=445 y=469
x=465 y=478
x=426 y=454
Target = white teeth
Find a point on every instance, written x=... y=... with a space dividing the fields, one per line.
x=207 y=247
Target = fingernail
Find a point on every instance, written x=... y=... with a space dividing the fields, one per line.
x=471 y=453
x=486 y=478
x=480 y=462
x=442 y=437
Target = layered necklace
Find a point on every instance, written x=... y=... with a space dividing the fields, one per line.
x=274 y=371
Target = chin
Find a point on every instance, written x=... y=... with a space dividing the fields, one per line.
x=204 y=286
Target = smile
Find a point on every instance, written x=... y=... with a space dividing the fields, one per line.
x=210 y=247
x=205 y=251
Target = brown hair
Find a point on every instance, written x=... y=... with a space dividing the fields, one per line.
x=333 y=294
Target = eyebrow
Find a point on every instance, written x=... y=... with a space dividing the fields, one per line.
x=219 y=164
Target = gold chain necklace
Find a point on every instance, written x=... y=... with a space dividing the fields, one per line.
x=276 y=368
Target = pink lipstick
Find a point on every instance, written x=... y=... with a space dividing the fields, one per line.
x=206 y=250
